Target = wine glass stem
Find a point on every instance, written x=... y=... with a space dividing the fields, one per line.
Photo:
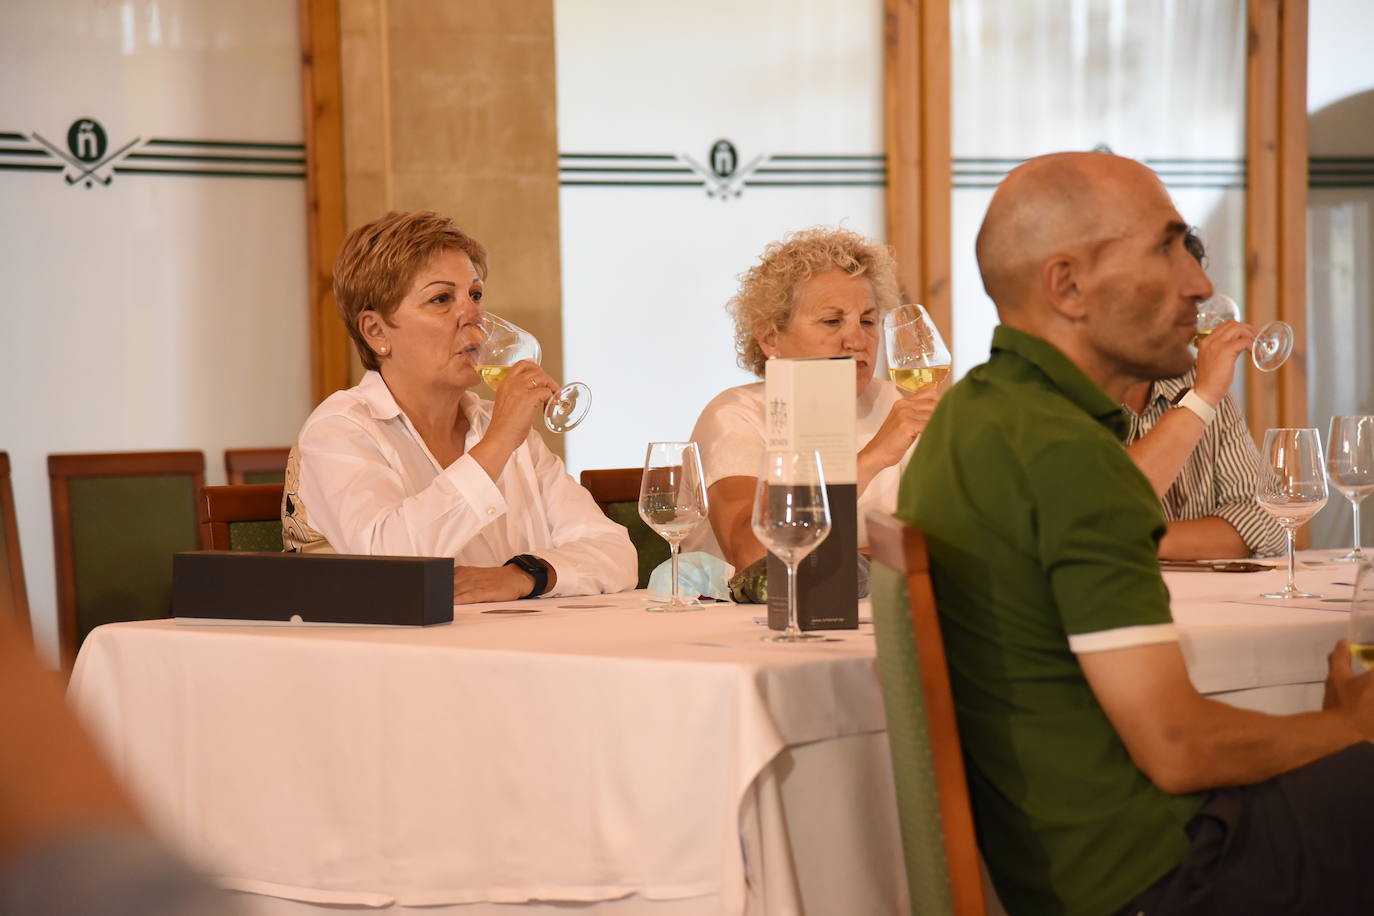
x=673 y=547
x=792 y=629
x=1355 y=505
x=1291 y=586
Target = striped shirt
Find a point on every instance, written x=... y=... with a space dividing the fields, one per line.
x=1219 y=476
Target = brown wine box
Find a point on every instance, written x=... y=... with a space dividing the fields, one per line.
x=810 y=403
x=224 y=585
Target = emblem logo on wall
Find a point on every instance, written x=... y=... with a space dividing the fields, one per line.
x=87 y=162
x=721 y=175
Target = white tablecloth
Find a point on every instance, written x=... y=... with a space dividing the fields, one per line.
x=589 y=752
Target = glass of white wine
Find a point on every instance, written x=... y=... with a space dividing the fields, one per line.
x=1291 y=486
x=1362 y=616
x=505 y=343
x=791 y=517
x=672 y=501
x=917 y=357
x=1272 y=344
x=1350 y=466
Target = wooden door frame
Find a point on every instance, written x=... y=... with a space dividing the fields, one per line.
x=322 y=98
x=1276 y=202
x=917 y=91
x=916 y=88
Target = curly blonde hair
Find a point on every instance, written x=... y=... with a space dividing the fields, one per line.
x=767 y=291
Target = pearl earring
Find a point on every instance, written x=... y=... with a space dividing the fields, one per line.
x=383 y=350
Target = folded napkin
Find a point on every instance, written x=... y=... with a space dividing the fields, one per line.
x=698 y=574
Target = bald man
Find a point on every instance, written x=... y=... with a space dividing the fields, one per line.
x=1203 y=473
x=1102 y=782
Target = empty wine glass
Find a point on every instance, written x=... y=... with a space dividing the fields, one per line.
x=791 y=517
x=1272 y=344
x=672 y=501
x=1290 y=485
x=1350 y=466
x=504 y=344
x=917 y=357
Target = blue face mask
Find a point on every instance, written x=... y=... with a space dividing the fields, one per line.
x=698 y=573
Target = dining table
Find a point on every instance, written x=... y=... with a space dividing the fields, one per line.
x=579 y=754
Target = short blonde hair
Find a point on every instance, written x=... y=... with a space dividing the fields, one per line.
x=379 y=261
x=767 y=291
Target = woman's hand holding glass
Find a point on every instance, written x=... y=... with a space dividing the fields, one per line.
x=1290 y=484
x=505 y=344
x=1271 y=345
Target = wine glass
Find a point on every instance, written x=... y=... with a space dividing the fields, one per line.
x=672 y=501
x=1350 y=465
x=1272 y=344
x=917 y=358
x=504 y=344
x=1362 y=616
x=791 y=517
x=1290 y=485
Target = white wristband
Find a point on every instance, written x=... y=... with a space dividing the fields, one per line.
x=1194 y=402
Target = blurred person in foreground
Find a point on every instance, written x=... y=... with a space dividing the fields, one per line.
x=71 y=843
x=818 y=293
x=1191 y=440
x=1102 y=781
x=411 y=462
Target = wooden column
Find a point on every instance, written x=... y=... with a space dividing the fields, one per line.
x=321 y=91
x=919 y=168
x=1276 y=203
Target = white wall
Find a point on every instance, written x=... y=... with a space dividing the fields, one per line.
x=158 y=311
x=647 y=270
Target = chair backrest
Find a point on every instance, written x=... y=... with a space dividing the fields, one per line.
x=242 y=517
x=14 y=597
x=255 y=465
x=117 y=519
x=616 y=491
x=938 y=841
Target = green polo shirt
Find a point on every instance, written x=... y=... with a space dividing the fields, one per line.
x=1042 y=537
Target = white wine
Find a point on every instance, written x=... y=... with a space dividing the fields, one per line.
x=493 y=375
x=1292 y=514
x=1363 y=653
x=919 y=379
x=1201 y=333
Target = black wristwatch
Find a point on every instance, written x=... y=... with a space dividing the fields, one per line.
x=536 y=568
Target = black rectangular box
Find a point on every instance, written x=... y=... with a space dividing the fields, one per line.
x=314 y=587
x=827 y=577
x=810 y=404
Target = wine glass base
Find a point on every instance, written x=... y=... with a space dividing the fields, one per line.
x=785 y=636
x=1289 y=593
x=1355 y=556
x=675 y=606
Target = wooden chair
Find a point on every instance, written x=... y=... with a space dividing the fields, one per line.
x=255 y=465
x=242 y=517
x=14 y=597
x=938 y=841
x=616 y=491
x=117 y=519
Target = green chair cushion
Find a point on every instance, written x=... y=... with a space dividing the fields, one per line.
x=265 y=476
x=124 y=532
x=913 y=767
x=263 y=535
x=651 y=548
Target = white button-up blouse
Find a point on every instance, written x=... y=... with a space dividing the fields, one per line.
x=361 y=480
